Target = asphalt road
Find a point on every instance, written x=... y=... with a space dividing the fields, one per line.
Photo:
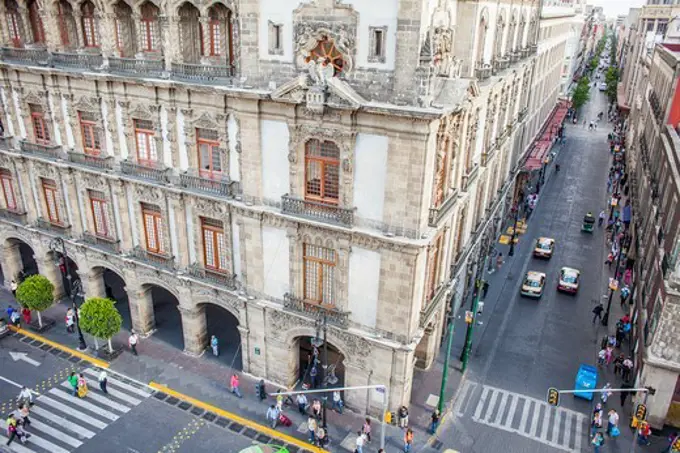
x=525 y=346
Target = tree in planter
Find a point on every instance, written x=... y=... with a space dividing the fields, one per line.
x=581 y=93
x=36 y=293
x=99 y=318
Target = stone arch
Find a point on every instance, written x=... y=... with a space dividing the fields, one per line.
x=292 y=334
x=300 y=346
x=217 y=301
x=148 y=280
x=214 y=317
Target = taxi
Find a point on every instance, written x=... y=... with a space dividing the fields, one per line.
x=544 y=247
x=533 y=283
x=569 y=280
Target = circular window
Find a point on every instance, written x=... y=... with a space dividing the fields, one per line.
x=326 y=53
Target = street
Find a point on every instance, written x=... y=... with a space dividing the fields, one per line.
x=525 y=346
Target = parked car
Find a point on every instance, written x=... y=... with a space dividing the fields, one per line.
x=603 y=86
x=4 y=328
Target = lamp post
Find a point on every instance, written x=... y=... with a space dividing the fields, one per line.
x=322 y=323
x=605 y=318
x=474 y=306
x=58 y=247
x=511 y=252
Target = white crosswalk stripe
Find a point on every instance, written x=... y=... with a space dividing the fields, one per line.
x=61 y=422
x=513 y=412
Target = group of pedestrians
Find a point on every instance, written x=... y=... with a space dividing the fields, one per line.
x=15 y=316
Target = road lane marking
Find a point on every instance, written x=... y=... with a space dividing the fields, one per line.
x=101 y=399
x=489 y=410
x=65 y=438
x=525 y=416
x=578 y=435
x=567 y=429
x=23 y=356
x=511 y=412
x=40 y=442
x=122 y=385
x=546 y=423
x=16 y=447
x=84 y=404
x=480 y=405
x=534 y=420
x=73 y=413
x=61 y=421
x=461 y=397
x=501 y=409
x=81 y=355
x=556 y=425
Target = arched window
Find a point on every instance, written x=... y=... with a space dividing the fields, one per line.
x=500 y=28
x=14 y=24
x=322 y=171
x=220 y=33
x=481 y=41
x=36 y=22
x=67 y=25
x=124 y=29
x=326 y=53
x=89 y=26
x=190 y=33
x=149 y=38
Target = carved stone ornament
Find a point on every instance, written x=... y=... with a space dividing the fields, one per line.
x=144 y=112
x=165 y=281
x=93 y=181
x=281 y=322
x=88 y=104
x=210 y=208
x=308 y=35
x=206 y=121
x=442 y=51
x=38 y=98
x=148 y=194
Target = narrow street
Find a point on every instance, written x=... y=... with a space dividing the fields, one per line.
x=524 y=346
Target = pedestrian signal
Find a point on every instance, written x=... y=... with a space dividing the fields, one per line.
x=553 y=396
x=640 y=412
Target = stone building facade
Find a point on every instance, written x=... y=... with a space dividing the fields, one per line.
x=285 y=163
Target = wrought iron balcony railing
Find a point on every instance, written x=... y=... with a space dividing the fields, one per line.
x=89 y=160
x=148 y=172
x=317 y=211
x=333 y=315
x=134 y=66
x=154 y=259
x=221 y=186
x=53 y=227
x=104 y=243
x=438 y=213
x=13 y=216
x=201 y=72
x=39 y=57
x=482 y=71
x=77 y=60
x=39 y=149
x=427 y=313
x=225 y=279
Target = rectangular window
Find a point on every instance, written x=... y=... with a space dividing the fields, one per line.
x=40 y=129
x=209 y=153
x=215 y=38
x=433 y=266
x=153 y=229
x=275 y=39
x=90 y=32
x=376 y=52
x=146 y=142
x=148 y=29
x=319 y=274
x=13 y=26
x=322 y=171
x=52 y=201
x=214 y=245
x=100 y=214
x=120 y=46
x=8 y=190
x=91 y=134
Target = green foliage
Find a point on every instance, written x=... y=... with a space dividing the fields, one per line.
x=99 y=318
x=612 y=80
x=36 y=293
x=581 y=93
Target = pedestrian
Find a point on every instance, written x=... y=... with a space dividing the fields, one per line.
x=604 y=396
x=261 y=391
x=273 y=416
x=499 y=261
x=597 y=311
x=338 y=404
x=279 y=400
x=612 y=422
x=214 y=345
x=673 y=438
x=359 y=443
x=627 y=369
x=597 y=442
x=485 y=289
x=316 y=409
x=643 y=433
x=311 y=428
x=15 y=319
x=301 y=401
x=403 y=417
x=82 y=386
x=22 y=414
x=11 y=428
x=10 y=310
x=25 y=396
x=69 y=320
x=132 y=342
x=13 y=286
x=435 y=421
x=313 y=372
x=618 y=364
x=408 y=440
x=366 y=429
x=234 y=386
x=602 y=357
x=73 y=381
x=321 y=437
x=26 y=314
x=103 y=380
x=601 y=218
x=596 y=423
x=625 y=292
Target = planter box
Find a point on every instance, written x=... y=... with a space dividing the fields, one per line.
x=104 y=354
x=47 y=323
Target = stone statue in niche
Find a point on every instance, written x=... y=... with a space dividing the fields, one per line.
x=442 y=40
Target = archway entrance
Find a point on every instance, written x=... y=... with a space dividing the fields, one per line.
x=68 y=269
x=168 y=319
x=224 y=325
x=30 y=267
x=311 y=356
x=114 y=289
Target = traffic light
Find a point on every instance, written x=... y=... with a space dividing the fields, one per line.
x=553 y=396
x=640 y=411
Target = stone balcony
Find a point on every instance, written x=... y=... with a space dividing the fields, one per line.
x=514 y=56
x=524 y=53
x=38 y=149
x=7 y=143
x=158 y=260
x=147 y=171
x=427 y=313
x=333 y=315
x=440 y=212
x=37 y=56
x=219 y=185
x=106 y=244
x=500 y=64
x=202 y=72
x=214 y=277
x=315 y=210
x=77 y=60
x=92 y=161
x=482 y=71
x=469 y=177
x=13 y=215
x=60 y=229
x=137 y=67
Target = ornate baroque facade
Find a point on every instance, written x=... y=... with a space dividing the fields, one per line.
x=249 y=155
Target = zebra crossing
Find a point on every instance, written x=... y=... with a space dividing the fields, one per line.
x=61 y=423
x=556 y=427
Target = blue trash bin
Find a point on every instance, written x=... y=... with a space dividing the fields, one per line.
x=586 y=379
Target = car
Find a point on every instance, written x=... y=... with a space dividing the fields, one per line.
x=265 y=449
x=533 y=283
x=603 y=86
x=569 y=280
x=544 y=247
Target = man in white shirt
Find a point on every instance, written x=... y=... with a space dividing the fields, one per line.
x=361 y=440
x=26 y=395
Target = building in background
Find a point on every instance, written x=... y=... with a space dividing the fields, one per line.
x=249 y=170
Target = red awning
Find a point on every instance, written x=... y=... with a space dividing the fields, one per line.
x=535 y=160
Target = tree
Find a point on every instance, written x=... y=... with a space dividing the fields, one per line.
x=581 y=93
x=36 y=293
x=611 y=78
x=99 y=318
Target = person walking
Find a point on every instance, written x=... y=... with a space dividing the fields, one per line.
x=73 y=381
x=366 y=429
x=612 y=423
x=132 y=342
x=499 y=261
x=273 y=415
x=25 y=396
x=601 y=218
x=597 y=312
x=321 y=437
x=301 y=401
x=338 y=404
x=625 y=292
x=234 y=386
x=13 y=286
x=26 y=314
x=214 y=345
x=359 y=443
x=627 y=369
x=69 y=319
x=15 y=319
x=22 y=414
x=103 y=380
x=403 y=417
x=597 y=442
x=408 y=440
x=311 y=428
x=435 y=421
x=82 y=386
x=604 y=396
x=11 y=428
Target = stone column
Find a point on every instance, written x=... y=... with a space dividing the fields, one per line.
x=93 y=283
x=48 y=268
x=177 y=202
x=112 y=127
x=120 y=214
x=195 y=330
x=244 y=332
x=170 y=39
x=51 y=29
x=106 y=34
x=27 y=29
x=171 y=129
x=141 y=305
x=425 y=349
x=11 y=262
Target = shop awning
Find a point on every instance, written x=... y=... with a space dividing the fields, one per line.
x=535 y=160
x=621 y=97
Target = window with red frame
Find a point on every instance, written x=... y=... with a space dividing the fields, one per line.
x=91 y=134
x=319 y=274
x=215 y=252
x=36 y=22
x=40 y=130
x=433 y=267
x=67 y=26
x=52 y=201
x=209 y=153
x=89 y=25
x=146 y=142
x=8 y=190
x=219 y=29
x=149 y=27
x=322 y=171
x=100 y=214
x=153 y=229
x=13 y=22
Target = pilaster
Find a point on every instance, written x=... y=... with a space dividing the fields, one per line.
x=93 y=283
x=141 y=304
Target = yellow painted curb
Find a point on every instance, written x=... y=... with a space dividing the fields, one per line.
x=93 y=360
x=238 y=419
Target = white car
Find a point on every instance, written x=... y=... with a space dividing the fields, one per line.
x=602 y=86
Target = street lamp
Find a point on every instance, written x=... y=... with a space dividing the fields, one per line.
x=511 y=252
x=605 y=318
x=322 y=324
x=58 y=248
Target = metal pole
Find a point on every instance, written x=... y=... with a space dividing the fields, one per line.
x=73 y=289
x=383 y=427
x=475 y=304
x=445 y=371
x=511 y=252
x=605 y=318
x=324 y=368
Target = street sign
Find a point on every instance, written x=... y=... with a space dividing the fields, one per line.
x=16 y=356
x=468 y=317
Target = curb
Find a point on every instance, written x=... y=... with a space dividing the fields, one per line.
x=238 y=419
